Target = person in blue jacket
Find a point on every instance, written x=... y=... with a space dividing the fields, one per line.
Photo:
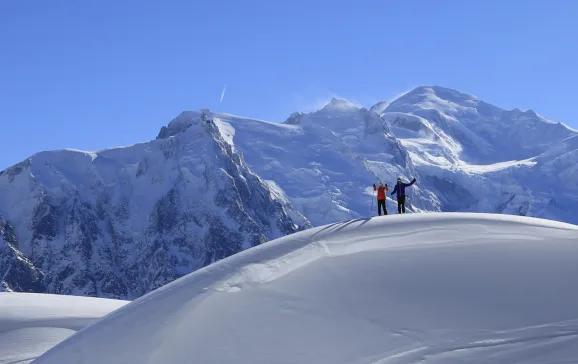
x=400 y=190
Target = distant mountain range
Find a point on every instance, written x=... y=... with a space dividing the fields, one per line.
x=121 y=222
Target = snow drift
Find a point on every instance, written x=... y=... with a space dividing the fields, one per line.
x=32 y=323
x=433 y=288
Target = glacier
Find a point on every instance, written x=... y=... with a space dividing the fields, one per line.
x=122 y=222
x=431 y=288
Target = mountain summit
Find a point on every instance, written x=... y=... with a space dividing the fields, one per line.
x=339 y=105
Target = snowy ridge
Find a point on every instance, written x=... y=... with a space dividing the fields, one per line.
x=374 y=290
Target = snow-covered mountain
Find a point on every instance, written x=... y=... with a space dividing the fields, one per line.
x=433 y=288
x=477 y=157
x=18 y=272
x=123 y=221
x=466 y=154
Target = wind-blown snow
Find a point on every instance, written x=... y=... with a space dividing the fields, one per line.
x=428 y=288
x=32 y=323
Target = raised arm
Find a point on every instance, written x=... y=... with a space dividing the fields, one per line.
x=409 y=184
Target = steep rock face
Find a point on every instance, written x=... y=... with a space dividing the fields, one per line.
x=17 y=272
x=294 y=119
x=122 y=222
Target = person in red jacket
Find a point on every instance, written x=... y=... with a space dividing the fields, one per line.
x=381 y=193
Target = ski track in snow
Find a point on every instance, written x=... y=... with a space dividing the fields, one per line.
x=427 y=288
x=439 y=352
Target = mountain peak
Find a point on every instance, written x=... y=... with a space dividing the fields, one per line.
x=294 y=119
x=434 y=98
x=183 y=121
x=380 y=107
x=444 y=93
x=527 y=113
x=188 y=192
x=340 y=104
x=426 y=97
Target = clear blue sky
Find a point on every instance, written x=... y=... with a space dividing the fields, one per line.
x=97 y=74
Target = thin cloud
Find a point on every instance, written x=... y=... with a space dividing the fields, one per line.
x=223 y=93
x=399 y=94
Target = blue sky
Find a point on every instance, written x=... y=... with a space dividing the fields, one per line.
x=98 y=74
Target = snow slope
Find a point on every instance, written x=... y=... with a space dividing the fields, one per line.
x=32 y=323
x=428 y=288
x=487 y=134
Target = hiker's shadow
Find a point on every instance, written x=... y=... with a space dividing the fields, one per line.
x=338 y=226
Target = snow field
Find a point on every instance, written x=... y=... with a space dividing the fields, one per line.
x=32 y=323
x=430 y=288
